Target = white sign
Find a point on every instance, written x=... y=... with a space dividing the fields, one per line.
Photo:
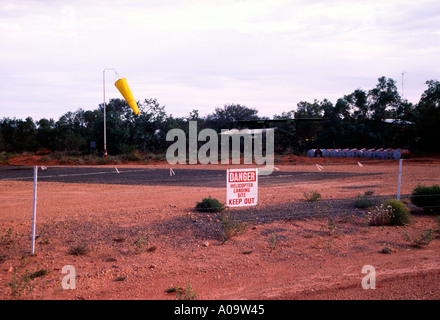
x=242 y=187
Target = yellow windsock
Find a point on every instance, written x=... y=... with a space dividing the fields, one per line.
x=124 y=89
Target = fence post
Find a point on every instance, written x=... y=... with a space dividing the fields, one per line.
x=399 y=179
x=34 y=211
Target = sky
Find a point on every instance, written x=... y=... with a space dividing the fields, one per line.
x=203 y=54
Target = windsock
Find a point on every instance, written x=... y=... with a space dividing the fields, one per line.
x=124 y=89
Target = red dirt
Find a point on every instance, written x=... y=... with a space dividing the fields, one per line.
x=309 y=259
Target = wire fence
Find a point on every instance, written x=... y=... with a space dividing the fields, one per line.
x=127 y=201
x=350 y=190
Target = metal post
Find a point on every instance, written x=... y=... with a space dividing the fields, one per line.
x=105 y=113
x=105 y=129
x=399 y=179
x=34 y=211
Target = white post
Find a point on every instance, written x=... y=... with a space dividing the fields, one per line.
x=105 y=129
x=34 y=211
x=399 y=180
x=105 y=125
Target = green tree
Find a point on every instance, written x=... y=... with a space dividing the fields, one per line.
x=383 y=99
x=227 y=117
x=427 y=114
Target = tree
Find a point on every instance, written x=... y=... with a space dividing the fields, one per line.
x=383 y=99
x=308 y=110
x=427 y=114
x=227 y=117
x=45 y=135
x=359 y=104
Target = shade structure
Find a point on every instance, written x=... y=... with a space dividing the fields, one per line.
x=124 y=89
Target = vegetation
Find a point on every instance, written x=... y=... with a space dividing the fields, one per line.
x=272 y=241
x=231 y=226
x=381 y=216
x=312 y=195
x=142 y=242
x=185 y=293
x=7 y=238
x=210 y=205
x=356 y=119
x=400 y=212
x=392 y=212
x=426 y=197
x=79 y=250
x=23 y=284
x=424 y=239
x=363 y=201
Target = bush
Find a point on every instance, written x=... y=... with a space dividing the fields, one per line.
x=363 y=201
x=424 y=240
x=210 y=205
x=312 y=195
x=392 y=212
x=79 y=250
x=400 y=215
x=426 y=197
x=231 y=226
x=380 y=216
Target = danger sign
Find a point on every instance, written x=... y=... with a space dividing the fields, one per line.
x=242 y=187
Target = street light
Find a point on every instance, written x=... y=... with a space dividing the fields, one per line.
x=124 y=89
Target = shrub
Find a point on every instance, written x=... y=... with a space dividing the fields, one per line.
x=231 y=226
x=210 y=205
x=79 y=250
x=426 y=197
x=400 y=215
x=272 y=241
x=392 y=212
x=186 y=294
x=142 y=241
x=363 y=201
x=312 y=195
x=381 y=216
x=424 y=240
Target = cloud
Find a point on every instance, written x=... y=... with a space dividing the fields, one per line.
x=202 y=54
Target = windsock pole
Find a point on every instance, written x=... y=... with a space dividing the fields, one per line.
x=105 y=113
x=124 y=89
x=105 y=129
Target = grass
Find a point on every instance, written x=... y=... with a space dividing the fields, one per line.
x=79 y=250
x=272 y=241
x=39 y=273
x=6 y=156
x=142 y=241
x=363 y=201
x=7 y=237
x=231 y=227
x=186 y=293
x=312 y=195
x=120 y=278
x=424 y=239
x=23 y=284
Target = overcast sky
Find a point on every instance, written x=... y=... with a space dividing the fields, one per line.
x=203 y=54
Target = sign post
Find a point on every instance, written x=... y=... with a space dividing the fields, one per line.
x=242 y=187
